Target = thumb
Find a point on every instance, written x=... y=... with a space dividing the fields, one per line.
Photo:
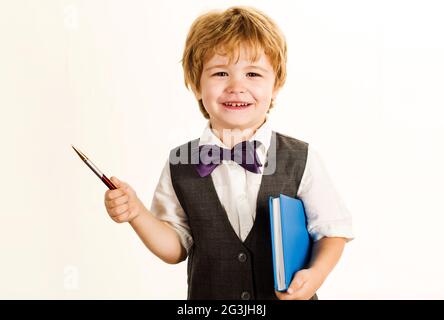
x=297 y=282
x=116 y=182
x=121 y=184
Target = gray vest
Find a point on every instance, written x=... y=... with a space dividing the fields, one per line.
x=220 y=265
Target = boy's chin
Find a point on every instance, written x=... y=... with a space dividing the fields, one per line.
x=238 y=124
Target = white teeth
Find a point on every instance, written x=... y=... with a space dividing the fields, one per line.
x=236 y=104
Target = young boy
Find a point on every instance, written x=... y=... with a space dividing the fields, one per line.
x=211 y=203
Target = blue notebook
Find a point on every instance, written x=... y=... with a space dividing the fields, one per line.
x=291 y=242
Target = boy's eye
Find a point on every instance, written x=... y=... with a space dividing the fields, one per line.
x=253 y=74
x=220 y=74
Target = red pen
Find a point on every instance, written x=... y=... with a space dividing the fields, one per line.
x=96 y=170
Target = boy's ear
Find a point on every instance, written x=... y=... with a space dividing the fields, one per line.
x=197 y=94
x=275 y=93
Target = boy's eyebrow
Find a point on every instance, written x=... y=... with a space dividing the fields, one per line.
x=258 y=67
x=225 y=65
x=216 y=66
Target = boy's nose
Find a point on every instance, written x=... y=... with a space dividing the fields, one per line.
x=235 y=86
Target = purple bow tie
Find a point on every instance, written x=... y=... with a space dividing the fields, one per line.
x=243 y=153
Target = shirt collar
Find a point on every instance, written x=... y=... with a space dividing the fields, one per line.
x=262 y=134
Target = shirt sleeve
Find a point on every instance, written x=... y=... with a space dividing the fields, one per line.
x=166 y=207
x=327 y=215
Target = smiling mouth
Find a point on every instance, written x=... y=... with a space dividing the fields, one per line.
x=236 y=105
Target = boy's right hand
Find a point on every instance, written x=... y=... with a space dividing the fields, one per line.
x=122 y=204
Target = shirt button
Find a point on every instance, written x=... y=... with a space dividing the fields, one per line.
x=245 y=295
x=242 y=257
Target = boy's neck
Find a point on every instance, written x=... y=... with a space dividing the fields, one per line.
x=232 y=136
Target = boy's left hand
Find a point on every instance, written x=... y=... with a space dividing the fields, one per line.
x=304 y=285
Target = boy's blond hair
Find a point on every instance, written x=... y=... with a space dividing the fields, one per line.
x=223 y=32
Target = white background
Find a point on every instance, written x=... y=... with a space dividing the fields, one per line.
x=365 y=87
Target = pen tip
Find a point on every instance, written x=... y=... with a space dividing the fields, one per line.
x=81 y=155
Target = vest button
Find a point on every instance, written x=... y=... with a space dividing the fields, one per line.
x=245 y=295
x=242 y=257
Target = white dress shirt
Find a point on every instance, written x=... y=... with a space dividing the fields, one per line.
x=238 y=188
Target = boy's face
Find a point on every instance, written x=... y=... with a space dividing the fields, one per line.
x=237 y=95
